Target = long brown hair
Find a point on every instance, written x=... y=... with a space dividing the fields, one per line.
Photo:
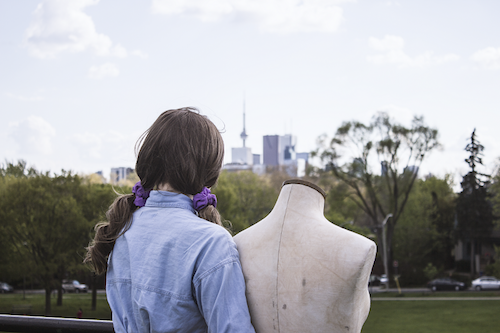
x=181 y=148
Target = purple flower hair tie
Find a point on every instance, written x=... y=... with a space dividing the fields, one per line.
x=203 y=199
x=141 y=195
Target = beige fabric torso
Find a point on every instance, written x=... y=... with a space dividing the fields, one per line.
x=303 y=273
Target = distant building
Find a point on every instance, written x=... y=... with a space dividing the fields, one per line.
x=411 y=168
x=119 y=174
x=302 y=163
x=287 y=149
x=256 y=159
x=278 y=153
x=271 y=149
x=384 y=166
x=242 y=155
x=98 y=177
x=303 y=156
x=231 y=167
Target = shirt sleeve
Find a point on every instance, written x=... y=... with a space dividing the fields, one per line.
x=220 y=294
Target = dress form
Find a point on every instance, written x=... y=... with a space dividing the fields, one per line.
x=303 y=273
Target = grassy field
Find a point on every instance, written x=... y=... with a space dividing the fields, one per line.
x=385 y=316
x=433 y=316
x=430 y=294
x=69 y=309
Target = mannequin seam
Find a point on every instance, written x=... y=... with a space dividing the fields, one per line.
x=278 y=261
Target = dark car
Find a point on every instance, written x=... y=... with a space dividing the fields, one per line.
x=6 y=288
x=445 y=284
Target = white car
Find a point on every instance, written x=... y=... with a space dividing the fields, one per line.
x=486 y=282
x=74 y=286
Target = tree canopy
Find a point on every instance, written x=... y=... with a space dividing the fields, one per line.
x=46 y=221
x=357 y=150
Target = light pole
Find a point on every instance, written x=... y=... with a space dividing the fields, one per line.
x=386 y=269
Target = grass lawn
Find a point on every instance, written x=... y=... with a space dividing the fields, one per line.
x=430 y=294
x=433 y=316
x=385 y=316
x=71 y=304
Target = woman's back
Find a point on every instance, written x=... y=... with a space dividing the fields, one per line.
x=174 y=272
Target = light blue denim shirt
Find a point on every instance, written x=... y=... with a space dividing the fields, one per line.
x=175 y=272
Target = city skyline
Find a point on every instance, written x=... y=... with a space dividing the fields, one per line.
x=80 y=83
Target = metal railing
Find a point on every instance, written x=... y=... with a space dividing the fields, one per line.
x=33 y=324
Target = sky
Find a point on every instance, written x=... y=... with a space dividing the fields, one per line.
x=81 y=80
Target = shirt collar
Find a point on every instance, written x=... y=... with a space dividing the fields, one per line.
x=167 y=199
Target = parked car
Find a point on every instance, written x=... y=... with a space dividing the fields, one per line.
x=383 y=279
x=486 y=282
x=6 y=288
x=445 y=284
x=74 y=286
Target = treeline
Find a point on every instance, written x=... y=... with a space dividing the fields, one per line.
x=46 y=221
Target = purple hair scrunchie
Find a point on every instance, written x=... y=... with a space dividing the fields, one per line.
x=203 y=199
x=141 y=195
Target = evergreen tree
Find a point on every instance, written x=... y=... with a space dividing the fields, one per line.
x=474 y=211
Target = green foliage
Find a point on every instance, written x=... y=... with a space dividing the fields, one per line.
x=474 y=209
x=493 y=269
x=495 y=196
x=46 y=222
x=244 y=198
x=399 y=150
x=430 y=271
x=424 y=233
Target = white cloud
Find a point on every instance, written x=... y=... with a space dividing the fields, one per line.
x=62 y=26
x=32 y=135
x=488 y=58
x=103 y=71
x=283 y=16
x=392 y=3
x=140 y=54
x=89 y=144
x=99 y=147
x=34 y=98
x=393 y=53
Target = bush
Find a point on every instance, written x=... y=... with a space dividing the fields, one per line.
x=491 y=270
x=430 y=271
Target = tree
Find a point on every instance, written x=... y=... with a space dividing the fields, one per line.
x=95 y=202
x=244 y=198
x=400 y=151
x=424 y=236
x=474 y=211
x=43 y=221
x=495 y=198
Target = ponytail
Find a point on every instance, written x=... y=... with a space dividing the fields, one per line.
x=119 y=216
x=210 y=213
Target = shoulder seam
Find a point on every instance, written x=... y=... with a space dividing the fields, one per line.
x=228 y=261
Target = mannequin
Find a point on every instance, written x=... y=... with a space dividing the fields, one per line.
x=303 y=273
